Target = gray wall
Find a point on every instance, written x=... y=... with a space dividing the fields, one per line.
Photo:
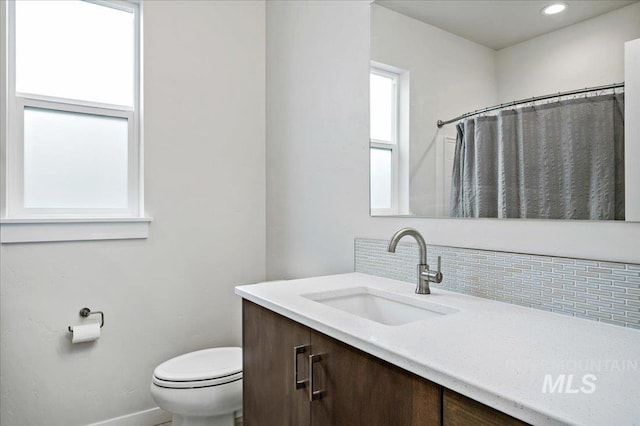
x=171 y=293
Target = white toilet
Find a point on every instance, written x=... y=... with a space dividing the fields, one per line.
x=202 y=388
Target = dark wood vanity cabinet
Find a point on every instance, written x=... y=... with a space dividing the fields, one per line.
x=351 y=387
x=359 y=389
x=458 y=410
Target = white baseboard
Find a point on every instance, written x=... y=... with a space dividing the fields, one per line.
x=150 y=417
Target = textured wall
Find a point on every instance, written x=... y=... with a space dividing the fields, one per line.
x=171 y=293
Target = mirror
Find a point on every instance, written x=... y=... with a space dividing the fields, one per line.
x=552 y=158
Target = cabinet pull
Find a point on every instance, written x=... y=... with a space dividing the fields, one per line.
x=313 y=394
x=297 y=350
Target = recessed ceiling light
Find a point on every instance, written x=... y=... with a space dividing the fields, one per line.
x=554 y=8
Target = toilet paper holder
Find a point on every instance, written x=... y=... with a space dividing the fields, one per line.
x=85 y=312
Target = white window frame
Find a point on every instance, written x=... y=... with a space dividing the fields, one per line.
x=392 y=145
x=20 y=224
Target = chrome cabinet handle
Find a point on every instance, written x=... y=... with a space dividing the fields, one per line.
x=313 y=394
x=297 y=350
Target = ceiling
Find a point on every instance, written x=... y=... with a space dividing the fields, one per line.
x=499 y=23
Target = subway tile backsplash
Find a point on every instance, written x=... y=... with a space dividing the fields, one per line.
x=600 y=291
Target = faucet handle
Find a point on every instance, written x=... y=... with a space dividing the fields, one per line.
x=434 y=276
x=438 y=274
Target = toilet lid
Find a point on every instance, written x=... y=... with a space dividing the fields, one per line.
x=208 y=364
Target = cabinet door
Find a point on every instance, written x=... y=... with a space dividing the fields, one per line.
x=270 y=396
x=458 y=410
x=359 y=389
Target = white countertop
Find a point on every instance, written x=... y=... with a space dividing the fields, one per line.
x=493 y=352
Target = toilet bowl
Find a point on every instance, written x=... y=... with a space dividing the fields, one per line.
x=202 y=388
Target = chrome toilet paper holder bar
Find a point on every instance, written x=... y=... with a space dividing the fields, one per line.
x=85 y=312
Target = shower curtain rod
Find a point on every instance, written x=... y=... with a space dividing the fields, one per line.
x=441 y=123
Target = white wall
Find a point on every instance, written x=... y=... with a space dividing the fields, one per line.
x=632 y=127
x=586 y=54
x=448 y=74
x=318 y=167
x=317 y=133
x=173 y=293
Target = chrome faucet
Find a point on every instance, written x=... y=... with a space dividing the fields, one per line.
x=425 y=276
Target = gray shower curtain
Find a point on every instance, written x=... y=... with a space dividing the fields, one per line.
x=561 y=160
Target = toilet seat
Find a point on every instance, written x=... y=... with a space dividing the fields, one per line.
x=200 y=369
x=197 y=384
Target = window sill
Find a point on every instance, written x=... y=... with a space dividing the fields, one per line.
x=45 y=230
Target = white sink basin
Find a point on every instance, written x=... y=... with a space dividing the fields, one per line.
x=381 y=306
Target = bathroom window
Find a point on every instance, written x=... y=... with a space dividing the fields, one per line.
x=383 y=139
x=73 y=145
x=388 y=129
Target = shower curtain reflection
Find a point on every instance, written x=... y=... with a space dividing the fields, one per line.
x=561 y=160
